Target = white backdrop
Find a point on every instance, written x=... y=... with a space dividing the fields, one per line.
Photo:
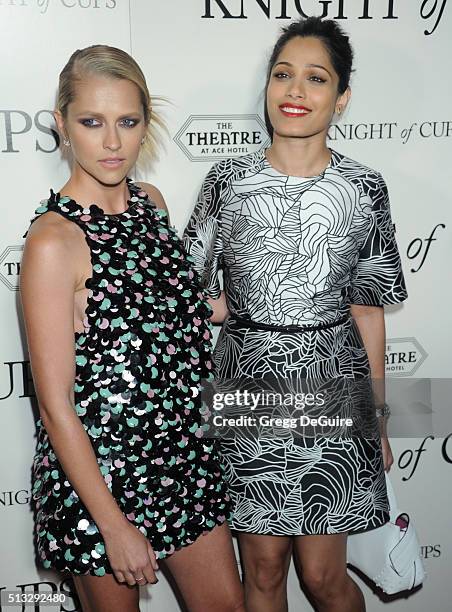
x=209 y=57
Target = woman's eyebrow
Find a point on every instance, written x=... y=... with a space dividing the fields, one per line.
x=318 y=66
x=307 y=66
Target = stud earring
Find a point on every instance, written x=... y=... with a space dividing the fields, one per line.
x=66 y=142
x=143 y=140
x=339 y=110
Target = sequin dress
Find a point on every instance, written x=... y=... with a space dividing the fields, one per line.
x=145 y=347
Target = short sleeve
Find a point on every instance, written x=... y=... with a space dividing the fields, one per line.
x=202 y=236
x=377 y=278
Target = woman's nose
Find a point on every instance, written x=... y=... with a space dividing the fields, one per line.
x=112 y=140
x=296 y=89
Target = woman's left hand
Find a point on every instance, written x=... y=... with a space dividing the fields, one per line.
x=388 y=459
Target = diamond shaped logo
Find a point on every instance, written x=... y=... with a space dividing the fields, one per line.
x=10 y=267
x=215 y=137
x=404 y=356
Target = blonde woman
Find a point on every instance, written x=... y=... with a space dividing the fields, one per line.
x=119 y=337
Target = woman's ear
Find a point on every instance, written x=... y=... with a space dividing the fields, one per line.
x=59 y=120
x=342 y=101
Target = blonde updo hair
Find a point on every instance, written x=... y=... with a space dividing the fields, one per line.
x=114 y=63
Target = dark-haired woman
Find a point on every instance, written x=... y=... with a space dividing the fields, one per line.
x=306 y=243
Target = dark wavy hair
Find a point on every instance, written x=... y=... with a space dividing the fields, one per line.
x=336 y=43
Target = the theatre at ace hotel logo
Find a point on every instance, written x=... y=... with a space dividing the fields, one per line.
x=10 y=266
x=215 y=137
x=403 y=356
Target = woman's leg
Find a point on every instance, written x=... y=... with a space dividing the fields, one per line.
x=322 y=562
x=206 y=573
x=105 y=594
x=265 y=561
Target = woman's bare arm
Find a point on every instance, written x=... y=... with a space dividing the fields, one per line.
x=48 y=282
x=371 y=324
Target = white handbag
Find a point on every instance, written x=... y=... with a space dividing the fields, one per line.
x=389 y=555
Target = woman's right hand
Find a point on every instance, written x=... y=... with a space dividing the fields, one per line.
x=131 y=555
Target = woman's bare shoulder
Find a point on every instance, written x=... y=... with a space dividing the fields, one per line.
x=50 y=239
x=53 y=228
x=154 y=194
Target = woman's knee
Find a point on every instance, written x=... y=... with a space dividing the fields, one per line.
x=322 y=582
x=267 y=572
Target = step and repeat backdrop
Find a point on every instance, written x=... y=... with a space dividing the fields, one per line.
x=208 y=59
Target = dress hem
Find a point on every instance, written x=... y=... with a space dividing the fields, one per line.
x=107 y=570
x=238 y=529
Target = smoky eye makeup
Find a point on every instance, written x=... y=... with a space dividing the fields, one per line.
x=130 y=122
x=92 y=122
x=89 y=122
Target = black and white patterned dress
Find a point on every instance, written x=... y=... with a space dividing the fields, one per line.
x=297 y=252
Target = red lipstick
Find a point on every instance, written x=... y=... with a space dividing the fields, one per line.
x=294 y=110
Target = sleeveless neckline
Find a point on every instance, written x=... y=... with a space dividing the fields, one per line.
x=137 y=196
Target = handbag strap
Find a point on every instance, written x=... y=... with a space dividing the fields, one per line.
x=401 y=556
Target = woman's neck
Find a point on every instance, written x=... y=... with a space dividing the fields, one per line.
x=86 y=190
x=302 y=157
